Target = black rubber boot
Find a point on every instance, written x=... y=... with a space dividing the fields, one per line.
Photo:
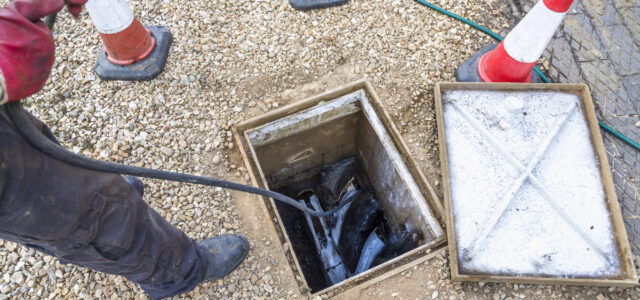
x=223 y=253
x=136 y=183
x=315 y=4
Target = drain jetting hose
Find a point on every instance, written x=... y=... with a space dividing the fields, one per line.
x=544 y=78
x=23 y=123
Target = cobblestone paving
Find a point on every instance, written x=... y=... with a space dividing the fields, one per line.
x=598 y=44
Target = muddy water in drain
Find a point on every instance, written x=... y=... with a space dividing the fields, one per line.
x=365 y=219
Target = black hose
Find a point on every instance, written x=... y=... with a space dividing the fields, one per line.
x=23 y=123
x=49 y=20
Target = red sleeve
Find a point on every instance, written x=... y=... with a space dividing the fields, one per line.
x=26 y=46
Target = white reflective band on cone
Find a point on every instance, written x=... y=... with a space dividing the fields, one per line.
x=526 y=42
x=110 y=16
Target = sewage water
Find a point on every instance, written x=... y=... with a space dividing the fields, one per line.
x=364 y=236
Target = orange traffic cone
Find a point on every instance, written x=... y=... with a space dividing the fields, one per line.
x=514 y=58
x=131 y=51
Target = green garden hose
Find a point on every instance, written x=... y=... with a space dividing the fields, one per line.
x=544 y=78
x=619 y=135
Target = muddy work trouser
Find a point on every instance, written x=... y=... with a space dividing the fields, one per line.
x=90 y=219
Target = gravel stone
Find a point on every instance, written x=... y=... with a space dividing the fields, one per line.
x=17 y=278
x=231 y=61
x=166 y=151
x=5 y=289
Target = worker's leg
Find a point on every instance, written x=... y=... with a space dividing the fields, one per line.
x=90 y=219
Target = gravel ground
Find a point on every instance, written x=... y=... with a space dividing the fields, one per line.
x=232 y=60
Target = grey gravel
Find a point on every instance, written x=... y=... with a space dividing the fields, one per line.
x=232 y=60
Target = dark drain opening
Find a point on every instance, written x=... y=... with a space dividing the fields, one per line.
x=364 y=223
x=318 y=146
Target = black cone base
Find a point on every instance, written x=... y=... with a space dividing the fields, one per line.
x=146 y=69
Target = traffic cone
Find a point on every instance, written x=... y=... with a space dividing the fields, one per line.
x=514 y=58
x=131 y=51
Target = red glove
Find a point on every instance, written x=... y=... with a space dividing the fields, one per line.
x=75 y=7
x=26 y=46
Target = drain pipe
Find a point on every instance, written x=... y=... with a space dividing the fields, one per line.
x=371 y=249
x=351 y=193
x=331 y=260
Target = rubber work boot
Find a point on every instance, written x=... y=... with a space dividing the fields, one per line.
x=136 y=183
x=223 y=253
x=315 y=4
